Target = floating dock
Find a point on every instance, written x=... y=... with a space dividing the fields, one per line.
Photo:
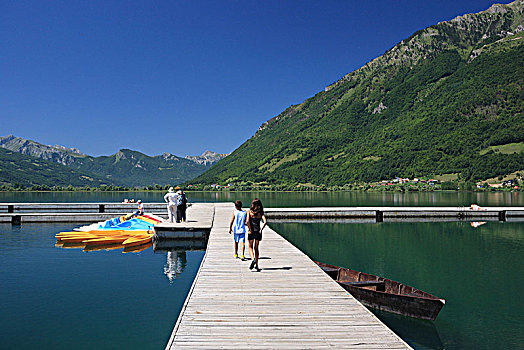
x=289 y=304
x=18 y=213
x=394 y=214
x=199 y=222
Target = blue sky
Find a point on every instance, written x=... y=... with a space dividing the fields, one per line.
x=184 y=76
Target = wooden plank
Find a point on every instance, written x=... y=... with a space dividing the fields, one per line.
x=289 y=304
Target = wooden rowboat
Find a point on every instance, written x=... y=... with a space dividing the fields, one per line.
x=385 y=294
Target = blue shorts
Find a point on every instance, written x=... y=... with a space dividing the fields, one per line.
x=240 y=237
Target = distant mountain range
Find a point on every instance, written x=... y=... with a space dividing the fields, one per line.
x=448 y=100
x=19 y=170
x=28 y=162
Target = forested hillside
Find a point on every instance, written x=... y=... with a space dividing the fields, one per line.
x=132 y=168
x=436 y=103
x=19 y=171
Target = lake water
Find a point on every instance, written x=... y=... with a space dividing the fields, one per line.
x=288 y=199
x=55 y=298
x=477 y=270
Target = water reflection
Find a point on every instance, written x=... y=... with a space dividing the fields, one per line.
x=420 y=334
x=176 y=250
x=286 y=199
x=175 y=265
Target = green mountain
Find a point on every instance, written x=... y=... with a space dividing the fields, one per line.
x=446 y=100
x=17 y=170
x=124 y=168
x=132 y=168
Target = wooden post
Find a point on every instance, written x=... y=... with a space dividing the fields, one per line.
x=16 y=220
x=380 y=216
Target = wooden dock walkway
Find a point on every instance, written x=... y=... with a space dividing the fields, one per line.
x=289 y=304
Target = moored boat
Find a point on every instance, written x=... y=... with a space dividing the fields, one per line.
x=136 y=241
x=125 y=231
x=124 y=223
x=385 y=294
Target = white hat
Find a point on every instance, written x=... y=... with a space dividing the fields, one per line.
x=170 y=189
x=139 y=201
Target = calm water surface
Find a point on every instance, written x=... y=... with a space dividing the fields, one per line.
x=54 y=298
x=477 y=270
x=288 y=199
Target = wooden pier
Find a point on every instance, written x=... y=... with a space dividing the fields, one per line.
x=289 y=304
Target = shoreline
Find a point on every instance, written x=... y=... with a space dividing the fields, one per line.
x=378 y=190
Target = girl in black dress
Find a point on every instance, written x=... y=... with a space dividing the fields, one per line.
x=255 y=215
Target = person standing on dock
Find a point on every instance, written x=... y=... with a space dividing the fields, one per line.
x=181 y=205
x=238 y=227
x=255 y=215
x=171 y=198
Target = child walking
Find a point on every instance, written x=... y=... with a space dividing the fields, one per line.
x=255 y=215
x=238 y=227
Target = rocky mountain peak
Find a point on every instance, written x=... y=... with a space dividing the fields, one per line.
x=120 y=155
x=58 y=154
x=169 y=157
x=66 y=149
x=207 y=158
x=462 y=33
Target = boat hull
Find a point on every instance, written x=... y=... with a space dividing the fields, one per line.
x=132 y=233
x=104 y=240
x=427 y=309
x=385 y=294
x=137 y=241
